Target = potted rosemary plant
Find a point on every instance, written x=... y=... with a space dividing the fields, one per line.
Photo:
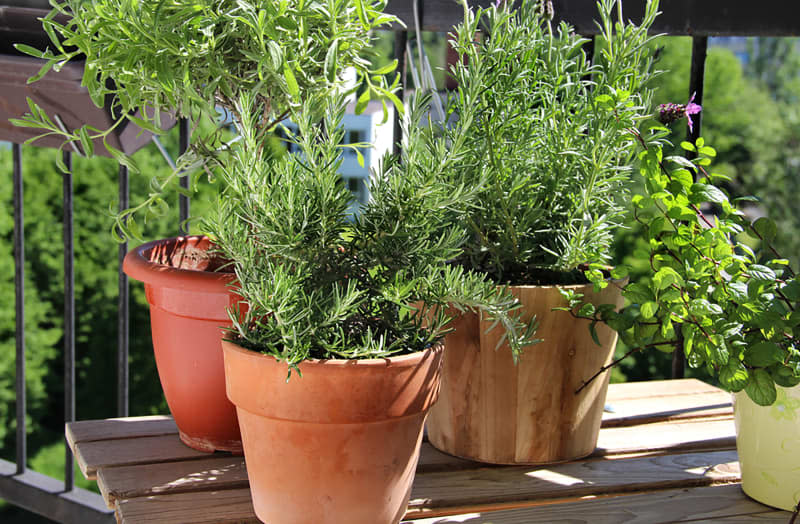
x=718 y=291
x=551 y=147
x=351 y=309
x=149 y=60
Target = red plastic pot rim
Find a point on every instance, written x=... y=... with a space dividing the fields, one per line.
x=137 y=265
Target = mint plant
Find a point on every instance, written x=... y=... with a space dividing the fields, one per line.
x=717 y=289
x=191 y=59
x=549 y=144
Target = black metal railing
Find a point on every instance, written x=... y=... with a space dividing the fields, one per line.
x=62 y=501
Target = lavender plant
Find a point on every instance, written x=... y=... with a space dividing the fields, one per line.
x=190 y=59
x=730 y=307
x=549 y=136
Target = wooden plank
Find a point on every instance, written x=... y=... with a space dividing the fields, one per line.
x=672 y=437
x=215 y=473
x=203 y=472
x=674 y=407
x=114 y=428
x=218 y=507
x=724 y=503
x=95 y=455
x=440 y=493
x=701 y=434
x=662 y=400
x=658 y=388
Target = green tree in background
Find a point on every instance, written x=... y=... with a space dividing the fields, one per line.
x=96 y=290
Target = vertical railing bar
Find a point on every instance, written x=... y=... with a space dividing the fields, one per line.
x=123 y=308
x=696 y=79
x=19 y=293
x=400 y=42
x=69 y=314
x=183 y=200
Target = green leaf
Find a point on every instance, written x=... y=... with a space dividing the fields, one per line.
x=733 y=376
x=28 y=50
x=791 y=290
x=688 y=146
x=593 y=333
x=761 y=273
x=586 y=310
x=700 y=193
x=619 y=272
x=784 y=376
x=331 y=61
x=765 y=228
x=763 y=354
x=701 y=307
x=86 y=141
x=637 y=293
x=648 y=310
x=388 y=68
x=665 y=277
x=362 y=102
x=362 y=14
x=761 y=388
x=291 y=81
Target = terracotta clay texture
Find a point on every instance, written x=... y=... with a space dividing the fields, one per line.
x=188 y=302
x=338 y=444
x=492 y=410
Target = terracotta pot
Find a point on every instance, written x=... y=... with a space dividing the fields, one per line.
x=338 y=444
x=188 y=302
x=768 y=443
x=492 y=410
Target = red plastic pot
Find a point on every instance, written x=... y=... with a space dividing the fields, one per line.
x=188 y=301
x=338 y=444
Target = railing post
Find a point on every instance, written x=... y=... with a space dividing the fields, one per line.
x=183 y=200
x=400 y=42
x=123 y=315
x=696 y=79
x=19 y=294
x=69 y=314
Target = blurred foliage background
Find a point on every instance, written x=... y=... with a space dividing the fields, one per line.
x=751 y=116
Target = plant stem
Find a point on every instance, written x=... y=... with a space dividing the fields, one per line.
x=620 y=359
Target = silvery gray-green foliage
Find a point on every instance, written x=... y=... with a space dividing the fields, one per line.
x=728 y=307
x=188 y=58
x=550 y=135
x=319 y=285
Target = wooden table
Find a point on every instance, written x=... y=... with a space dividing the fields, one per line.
x=666 y=454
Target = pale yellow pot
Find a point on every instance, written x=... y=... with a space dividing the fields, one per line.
x=768 y=442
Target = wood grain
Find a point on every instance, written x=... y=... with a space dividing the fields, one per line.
x=440 y=492
x=695 y=434
x=718 y=504
x=124 y=482
x=114 y=428
x=95 y=455
x=217 y=507
x=495 y=410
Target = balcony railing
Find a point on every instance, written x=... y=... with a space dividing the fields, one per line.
x=62 y=501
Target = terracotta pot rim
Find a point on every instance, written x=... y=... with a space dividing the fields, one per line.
x=137 y=266
x=408 y=360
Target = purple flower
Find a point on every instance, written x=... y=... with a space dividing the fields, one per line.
x=668 y=113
